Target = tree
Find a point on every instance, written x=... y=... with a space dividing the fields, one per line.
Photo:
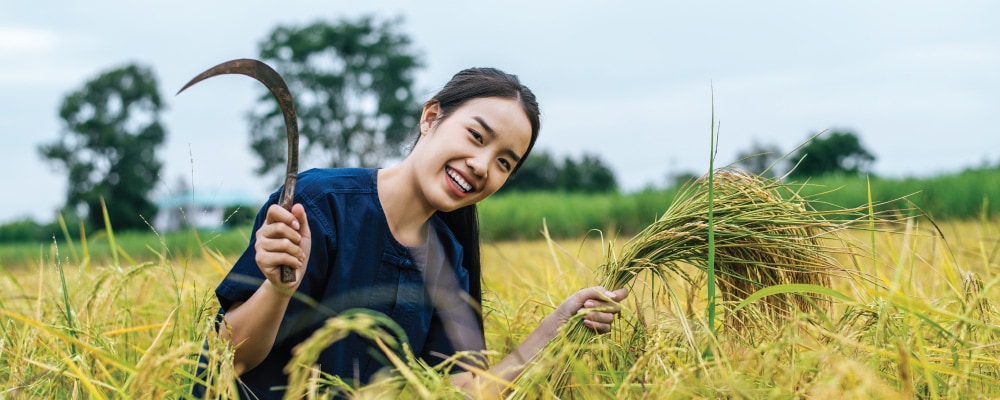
x=569 y=175
x=592 y=175
x=837 y=153
x=541 y=172
x=108 y=146
x=681 y=178
x=759 y=158
x=352 y=83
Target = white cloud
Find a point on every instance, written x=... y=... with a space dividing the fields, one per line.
x=19 y=41
x=31 y=58
x=41 y=76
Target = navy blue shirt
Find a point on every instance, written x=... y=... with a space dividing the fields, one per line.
x=355 y=262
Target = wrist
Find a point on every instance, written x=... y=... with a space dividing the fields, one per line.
x=276 y=292
x=550 y=325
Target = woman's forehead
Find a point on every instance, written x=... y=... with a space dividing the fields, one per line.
x=501 y=113
x=500 y=116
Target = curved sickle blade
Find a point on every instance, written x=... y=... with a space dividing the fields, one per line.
x=272 y=80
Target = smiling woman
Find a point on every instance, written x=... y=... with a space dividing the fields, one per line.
x=401 y=241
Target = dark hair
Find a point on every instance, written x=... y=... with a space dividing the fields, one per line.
x=469 y=84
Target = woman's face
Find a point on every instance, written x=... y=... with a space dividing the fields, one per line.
x=468 y=156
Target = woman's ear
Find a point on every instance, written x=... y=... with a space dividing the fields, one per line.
x=430 y=115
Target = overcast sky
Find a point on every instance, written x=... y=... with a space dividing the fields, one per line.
x=630 y=81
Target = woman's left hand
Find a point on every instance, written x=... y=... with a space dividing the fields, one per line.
x=597 y=303
x=599 y=307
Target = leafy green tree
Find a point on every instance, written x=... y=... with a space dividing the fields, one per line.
x=108 y=146
x=592 y=175
x=352 y=83
x=759 y=158
x=538 y=173
x=836 y=153
x=569 y=175
x=541 y=172
x=21 y=230
x=681 y=178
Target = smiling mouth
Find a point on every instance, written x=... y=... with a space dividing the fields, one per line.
x=460 y=182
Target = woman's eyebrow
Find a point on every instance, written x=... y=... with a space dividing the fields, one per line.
x=493 y=134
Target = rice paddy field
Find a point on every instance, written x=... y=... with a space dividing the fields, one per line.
x=757 y=297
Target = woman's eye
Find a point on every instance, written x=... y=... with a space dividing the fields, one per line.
x=477 y=136
x=505 y=164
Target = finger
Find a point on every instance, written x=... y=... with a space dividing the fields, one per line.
x=617 y=295
x=279 y=230
x=597 y=326
x=602 y=317
x=276 y=213
x=603 y=306
x=620 y=294
x=279 y=238
x=599 y=292
x=299 y=212
x=279 y=246
x=273 y=260
x=592 y=294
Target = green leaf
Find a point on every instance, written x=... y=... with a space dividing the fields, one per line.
x=792 y=288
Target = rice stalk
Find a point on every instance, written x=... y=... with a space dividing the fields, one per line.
x=69 y=239
x=70 y=325
x=710 y=258
x=110 y=233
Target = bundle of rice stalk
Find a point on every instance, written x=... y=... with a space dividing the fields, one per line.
x=765 y=234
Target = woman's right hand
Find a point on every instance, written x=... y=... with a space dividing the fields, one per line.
x=599 y=306
x=283 y=240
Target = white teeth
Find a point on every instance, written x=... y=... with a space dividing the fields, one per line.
x=462 y=184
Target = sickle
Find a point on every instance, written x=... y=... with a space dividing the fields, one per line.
x=272 y=80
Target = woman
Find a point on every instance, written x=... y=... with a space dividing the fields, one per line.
x=402 y=241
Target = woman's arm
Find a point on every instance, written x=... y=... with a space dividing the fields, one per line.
x=283 y=239
x=513 y=364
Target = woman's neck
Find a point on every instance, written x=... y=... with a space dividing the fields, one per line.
x=406 y=214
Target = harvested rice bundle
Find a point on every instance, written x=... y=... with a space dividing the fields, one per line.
x=765 y=235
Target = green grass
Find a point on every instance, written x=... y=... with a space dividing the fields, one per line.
x=137 y=245
x=965 y=195
x=520 y=215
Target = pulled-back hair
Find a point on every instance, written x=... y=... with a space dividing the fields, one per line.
x=469 y=84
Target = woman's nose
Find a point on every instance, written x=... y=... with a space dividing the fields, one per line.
x=478 y=165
